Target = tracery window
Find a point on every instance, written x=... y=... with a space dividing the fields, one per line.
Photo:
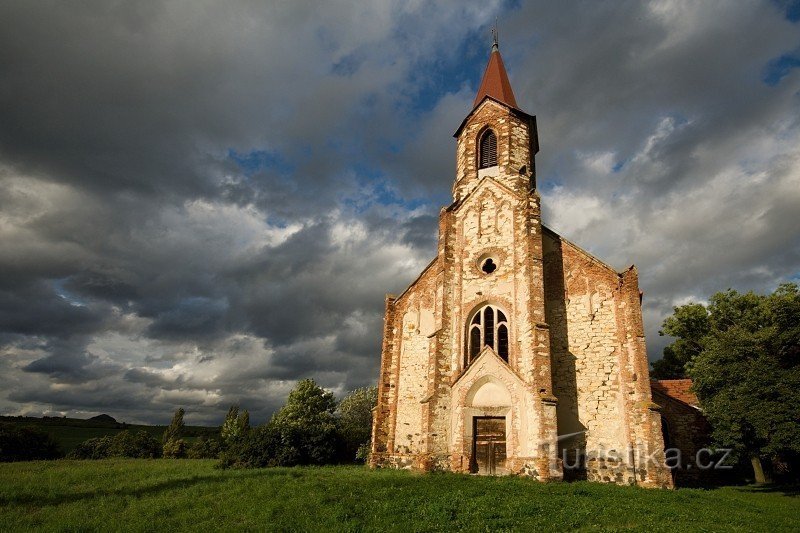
x=488 y=327
x=488 y=149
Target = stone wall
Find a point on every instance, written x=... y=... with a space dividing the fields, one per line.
x=515 y=135
x=687 y=430
x=604 y=418
x=400 y=425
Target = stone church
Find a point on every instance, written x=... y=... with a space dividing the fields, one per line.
x=514 y=351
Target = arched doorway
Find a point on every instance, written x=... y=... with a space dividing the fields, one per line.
x=488 y=403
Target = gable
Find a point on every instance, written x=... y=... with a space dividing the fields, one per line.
x=487 y=185
x=489 y=101
x=488 y=363
x=556 y=239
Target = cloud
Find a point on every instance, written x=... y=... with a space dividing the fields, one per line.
x=201 y=204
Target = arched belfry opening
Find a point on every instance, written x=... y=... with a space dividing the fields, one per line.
x=488 y=149
x=488 y=326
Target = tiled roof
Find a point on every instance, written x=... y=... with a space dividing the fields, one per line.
x=495 y=82
x=680 y=389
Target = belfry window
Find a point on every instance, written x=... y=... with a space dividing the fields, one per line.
x=488 y=150
x=488 y=327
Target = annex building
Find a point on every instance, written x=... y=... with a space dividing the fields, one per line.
x=514 y=351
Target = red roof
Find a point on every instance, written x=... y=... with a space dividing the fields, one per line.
x=495 y=82
x=680 y=389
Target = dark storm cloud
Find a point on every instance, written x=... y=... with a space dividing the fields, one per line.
x=201 y=203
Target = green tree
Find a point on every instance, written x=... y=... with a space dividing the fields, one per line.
x=747 y=374
x=26 y=444
x=690 y=325
x=204 y=448
x=354 y=418
x=302 y=432
x=235 y=426
x=140 y=444
x=126 y=443
x=307 y=423
x=174 y=445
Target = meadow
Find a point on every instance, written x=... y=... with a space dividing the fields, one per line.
x=185 y=494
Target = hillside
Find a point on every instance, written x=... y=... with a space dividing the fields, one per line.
x=69 y=432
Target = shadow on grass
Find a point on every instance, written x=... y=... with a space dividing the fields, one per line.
x=174 y=484
x=773 y=488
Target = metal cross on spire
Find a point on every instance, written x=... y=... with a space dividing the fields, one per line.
x=495 y=43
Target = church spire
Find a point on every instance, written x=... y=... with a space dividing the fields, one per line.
x=495 y=80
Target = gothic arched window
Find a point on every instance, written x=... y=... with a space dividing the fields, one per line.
x=487 y=327
x=488 y=149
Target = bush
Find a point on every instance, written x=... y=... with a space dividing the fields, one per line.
x=235 y=426
x=26 y=444
x=303 y=432
x=354 y=423
x=174 y=446
x=175 y=449
x=258 y=448
x=96 y=448
x=140 y=445
x=204 y=448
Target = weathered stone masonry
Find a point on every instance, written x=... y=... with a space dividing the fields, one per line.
x=544 y=342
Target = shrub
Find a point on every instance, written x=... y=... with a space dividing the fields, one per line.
x=96 y=448
x=175 y=429
x=235 y=426
x=139 y=445
x=26 y=444
x=174 y=445
x=175 y=449
x=354 y=423
x=204 y=448
x=302 y=432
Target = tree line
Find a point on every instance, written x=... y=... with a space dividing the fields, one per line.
x=742 y=352
x=311 y=428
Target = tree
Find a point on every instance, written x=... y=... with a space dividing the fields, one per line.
x=302 y=432
x=140 y=445
x=204 y=448
x=174 y=445
x=26 y=444
x=354 y=418
x=747 y=374
x=307 y=424
x=689 y=324
x=235 y=426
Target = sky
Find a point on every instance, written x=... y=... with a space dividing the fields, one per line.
x=203 y=202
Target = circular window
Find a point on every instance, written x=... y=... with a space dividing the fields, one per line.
x=488 y=266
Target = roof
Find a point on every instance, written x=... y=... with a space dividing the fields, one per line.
x=679 y=389
x=495 y=82
x=495 y=86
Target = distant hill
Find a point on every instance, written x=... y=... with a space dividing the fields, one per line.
x=105 y=418
x=69 y=432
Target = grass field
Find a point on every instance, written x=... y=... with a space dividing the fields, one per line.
x=142 y=495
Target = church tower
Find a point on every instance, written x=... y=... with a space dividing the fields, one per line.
x=514 y=351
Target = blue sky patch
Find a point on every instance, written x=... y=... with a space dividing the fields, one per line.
x=779 y=68
x=257 y=160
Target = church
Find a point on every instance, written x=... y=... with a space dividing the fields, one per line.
x=514 y=351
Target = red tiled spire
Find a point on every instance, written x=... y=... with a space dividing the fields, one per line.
x=495 y=81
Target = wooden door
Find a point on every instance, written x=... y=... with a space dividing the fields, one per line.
x=489 y=445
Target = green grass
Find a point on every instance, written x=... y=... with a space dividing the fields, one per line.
x=142 y=495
